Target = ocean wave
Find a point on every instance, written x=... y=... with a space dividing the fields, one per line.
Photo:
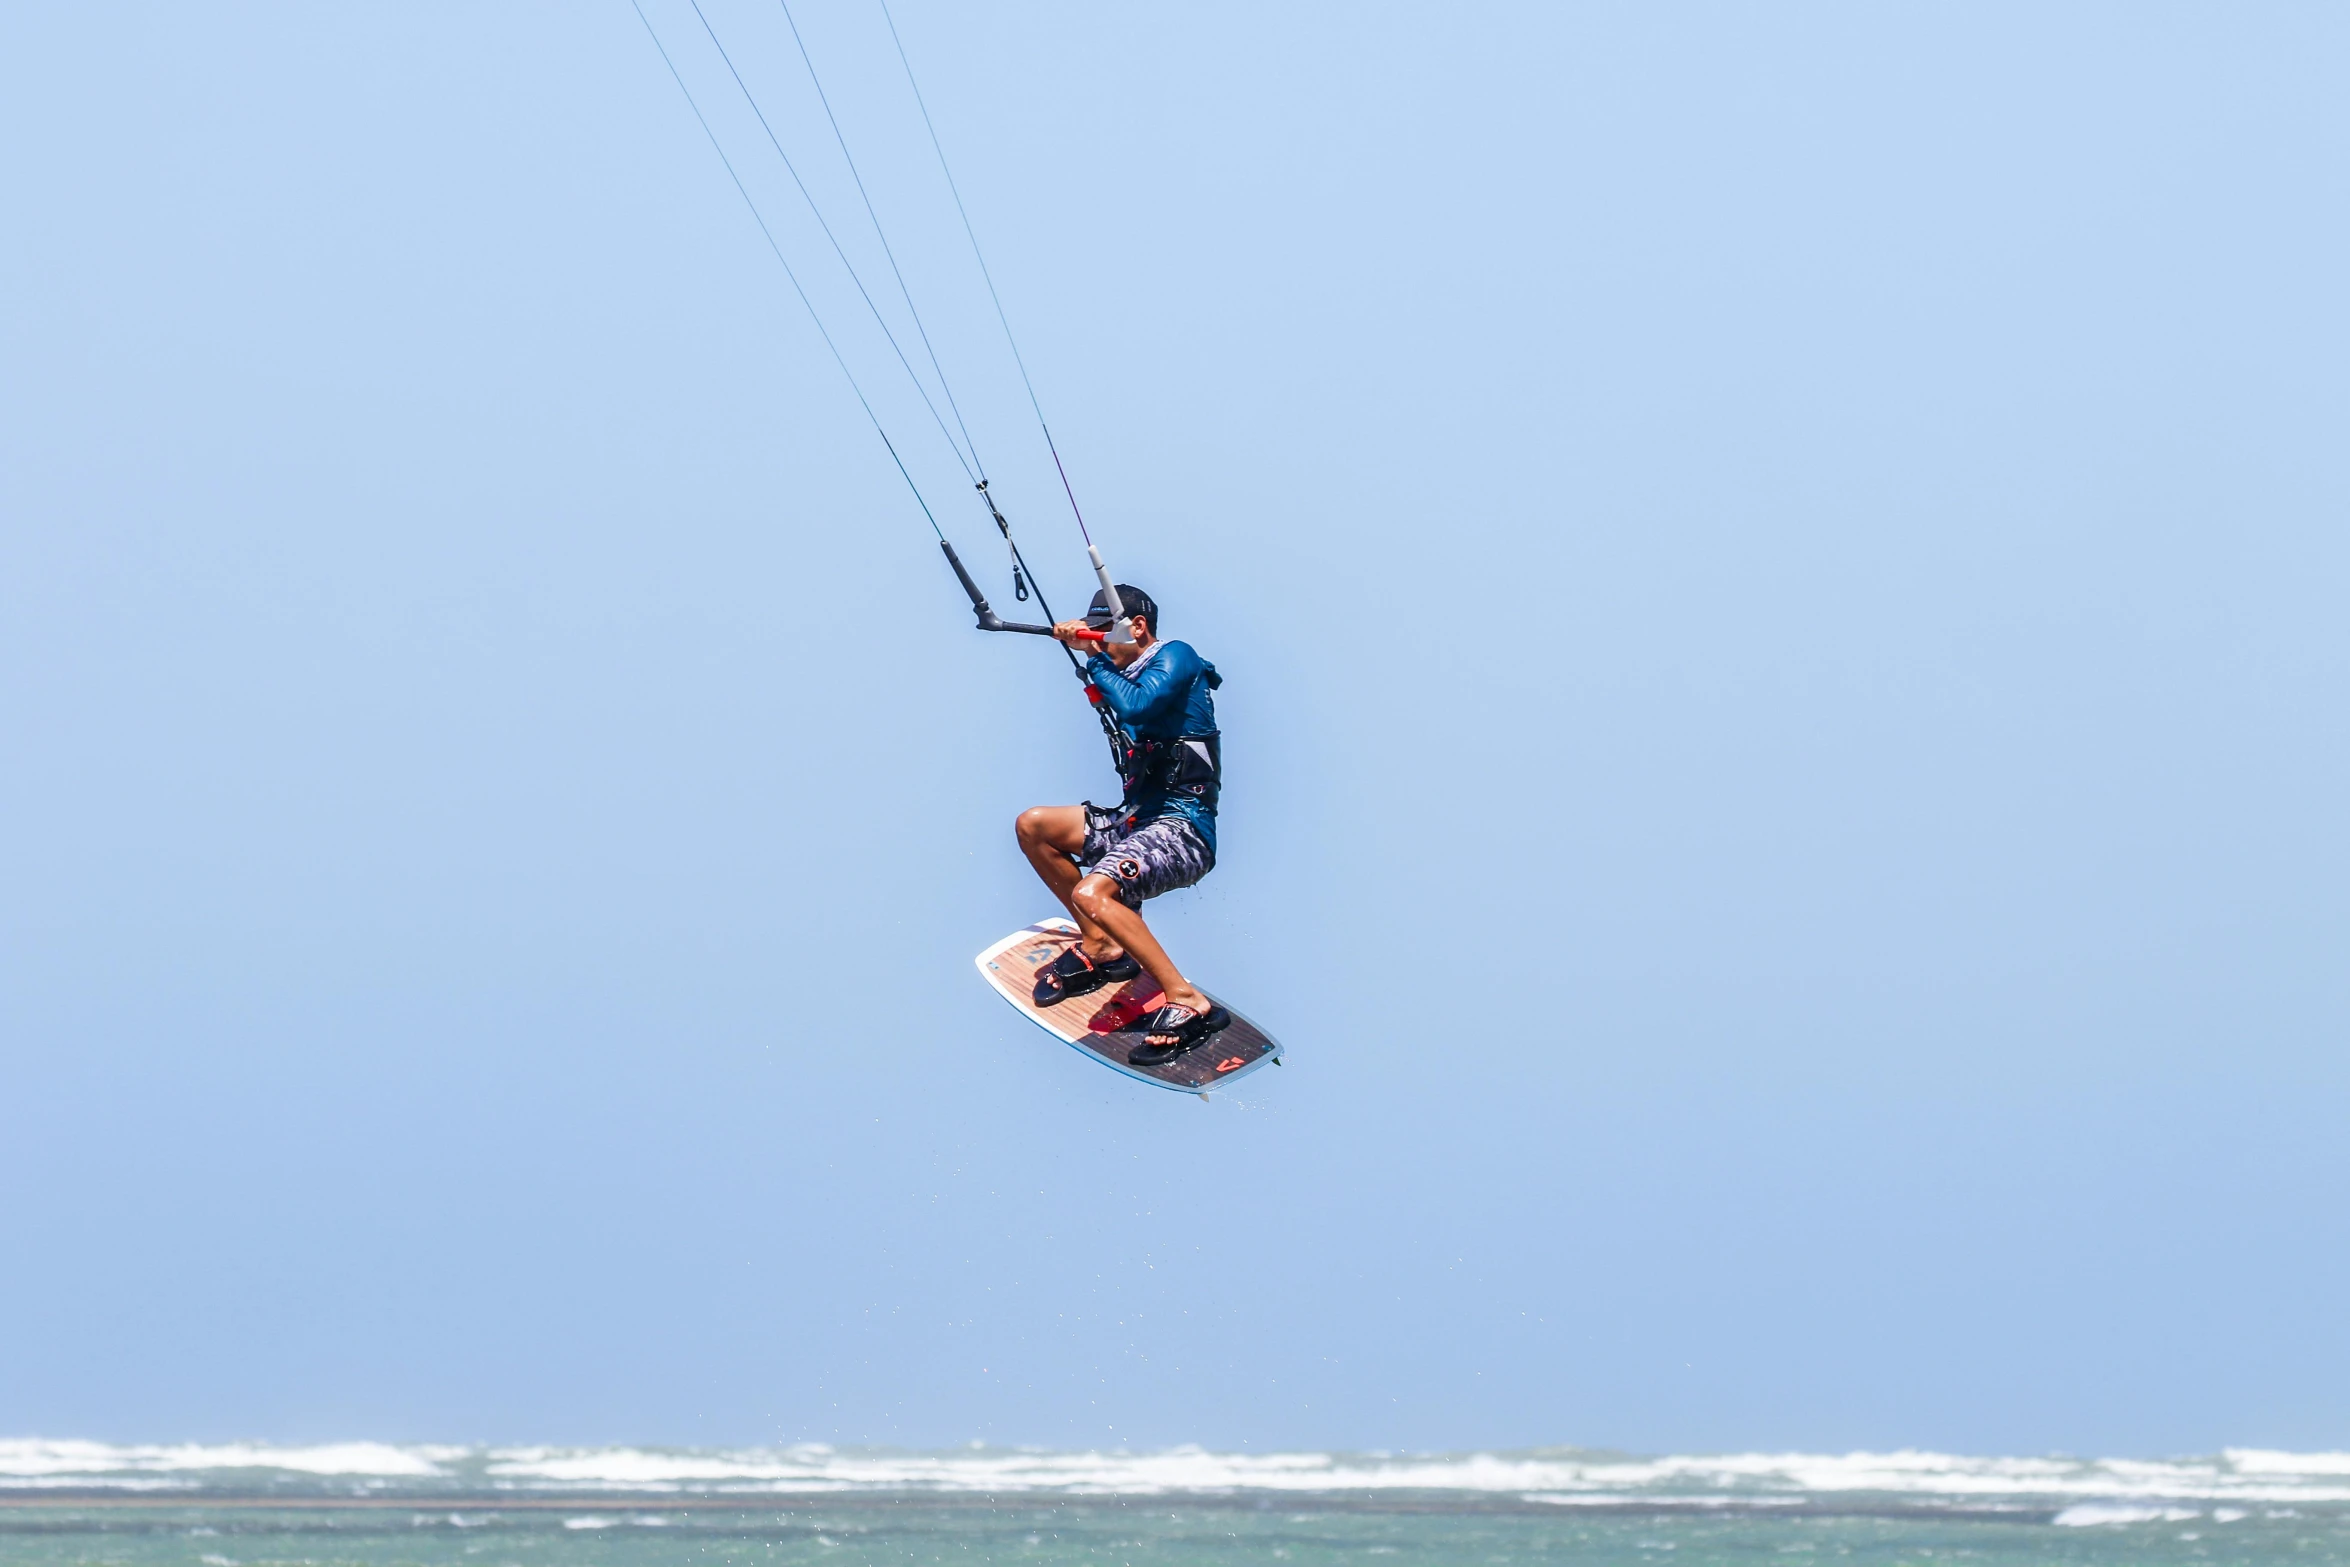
x=2257 y=1460
x=2085 y=1515
x=2075 y=1488
x=79 y=1462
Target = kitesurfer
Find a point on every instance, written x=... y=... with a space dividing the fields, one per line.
x=1102 y=863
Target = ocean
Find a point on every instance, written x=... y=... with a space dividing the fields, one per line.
x=365 y=1504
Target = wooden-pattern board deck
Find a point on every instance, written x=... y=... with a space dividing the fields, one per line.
x=1103 y=1024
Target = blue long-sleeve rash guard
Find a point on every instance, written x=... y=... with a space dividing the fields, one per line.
x=1165 y=694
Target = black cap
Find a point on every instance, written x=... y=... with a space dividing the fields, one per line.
x=1130 y=598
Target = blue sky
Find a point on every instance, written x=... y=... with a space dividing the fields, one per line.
x=1779 y=572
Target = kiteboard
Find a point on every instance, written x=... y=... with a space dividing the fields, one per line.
x=1105 y=1023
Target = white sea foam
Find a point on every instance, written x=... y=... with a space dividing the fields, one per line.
x=35 y=1458
x=2259 y=1460
x=1559 y=1476
x=2082 y=1515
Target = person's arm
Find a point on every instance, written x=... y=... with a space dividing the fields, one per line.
x=1155 y=695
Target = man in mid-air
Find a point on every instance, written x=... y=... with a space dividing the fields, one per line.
x=1101 y=863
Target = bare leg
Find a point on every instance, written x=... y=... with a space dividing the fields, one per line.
x=1095 y=898
x=1051 y=836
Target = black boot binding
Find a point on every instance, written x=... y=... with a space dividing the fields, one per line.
x=1185 y=1031
x=1074 y=974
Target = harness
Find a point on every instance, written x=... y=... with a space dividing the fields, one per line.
x=1188 y=764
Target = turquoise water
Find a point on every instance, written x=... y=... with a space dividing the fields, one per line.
x=361 y=1504
x=1429 y=1532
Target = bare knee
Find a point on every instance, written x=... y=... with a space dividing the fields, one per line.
x=1095 y=896
x=1060 y=828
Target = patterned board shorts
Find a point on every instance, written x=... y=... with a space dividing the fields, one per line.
x=1159 y=856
